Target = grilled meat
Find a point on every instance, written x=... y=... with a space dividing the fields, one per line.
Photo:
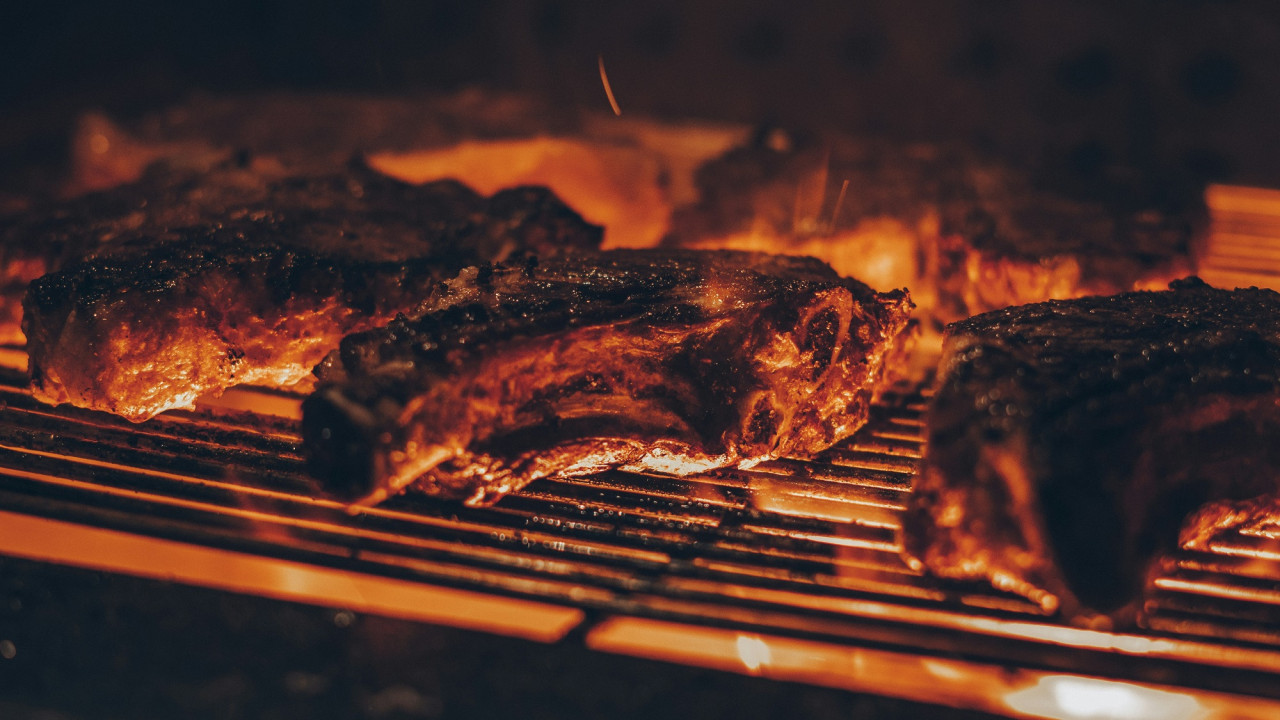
x=786 y=194
x=967 y=234
x=669 y=361
x=259 y=282
x=1010 y=242
x=623 y=174
x=1068 y=441
x=52 y=235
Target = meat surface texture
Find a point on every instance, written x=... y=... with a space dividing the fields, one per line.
x=667 y=361
x=256 y=281
x=1069 y=441
x=53 y=234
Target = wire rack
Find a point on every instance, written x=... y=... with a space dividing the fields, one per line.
x=790 y=570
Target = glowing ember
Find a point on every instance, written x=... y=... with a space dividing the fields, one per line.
x=608 y=89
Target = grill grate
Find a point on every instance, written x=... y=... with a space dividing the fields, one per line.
x=789 y=570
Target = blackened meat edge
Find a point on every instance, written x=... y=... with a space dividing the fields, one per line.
x=1069 y=441
x=666 y=361
x=261 y=281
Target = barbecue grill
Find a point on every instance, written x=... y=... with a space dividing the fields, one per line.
x=790 y=570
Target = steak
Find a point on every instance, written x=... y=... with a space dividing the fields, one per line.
x=1069 y=441
x=255 y=283
x=53 y=234
x=782 y=193
x=966 y=233
x=1011 y=241
x=666 y=361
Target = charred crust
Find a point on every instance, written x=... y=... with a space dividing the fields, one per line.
x=763 y=425
x=593 y=361
x=820 y=339
x=1116 y=415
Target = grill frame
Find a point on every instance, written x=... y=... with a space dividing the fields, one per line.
x=790 y=570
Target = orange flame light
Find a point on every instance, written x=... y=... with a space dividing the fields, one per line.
x=610 y=184
x=1068 y=697
x=754 y=653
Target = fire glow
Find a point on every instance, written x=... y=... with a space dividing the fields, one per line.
x=610 y=184
x=1068 y=697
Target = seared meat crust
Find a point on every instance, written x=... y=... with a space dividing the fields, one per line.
x=259 y=289
x=1068 y=441
x=672 y=361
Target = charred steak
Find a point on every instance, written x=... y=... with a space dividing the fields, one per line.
x=966 y=233
x=1068 y=441
x=51 y=235
x=259 y=289
x=672 y=361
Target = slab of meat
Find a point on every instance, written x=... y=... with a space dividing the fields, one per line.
x=1010 y=241
x=178 y=166
x=254 y=283
x=52 y=234
x=669 y=361
x=1068 y=441
x=780 y=193
x=966 y=233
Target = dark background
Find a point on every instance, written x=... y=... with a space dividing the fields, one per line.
x=1187 y=86
x=92 y=646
